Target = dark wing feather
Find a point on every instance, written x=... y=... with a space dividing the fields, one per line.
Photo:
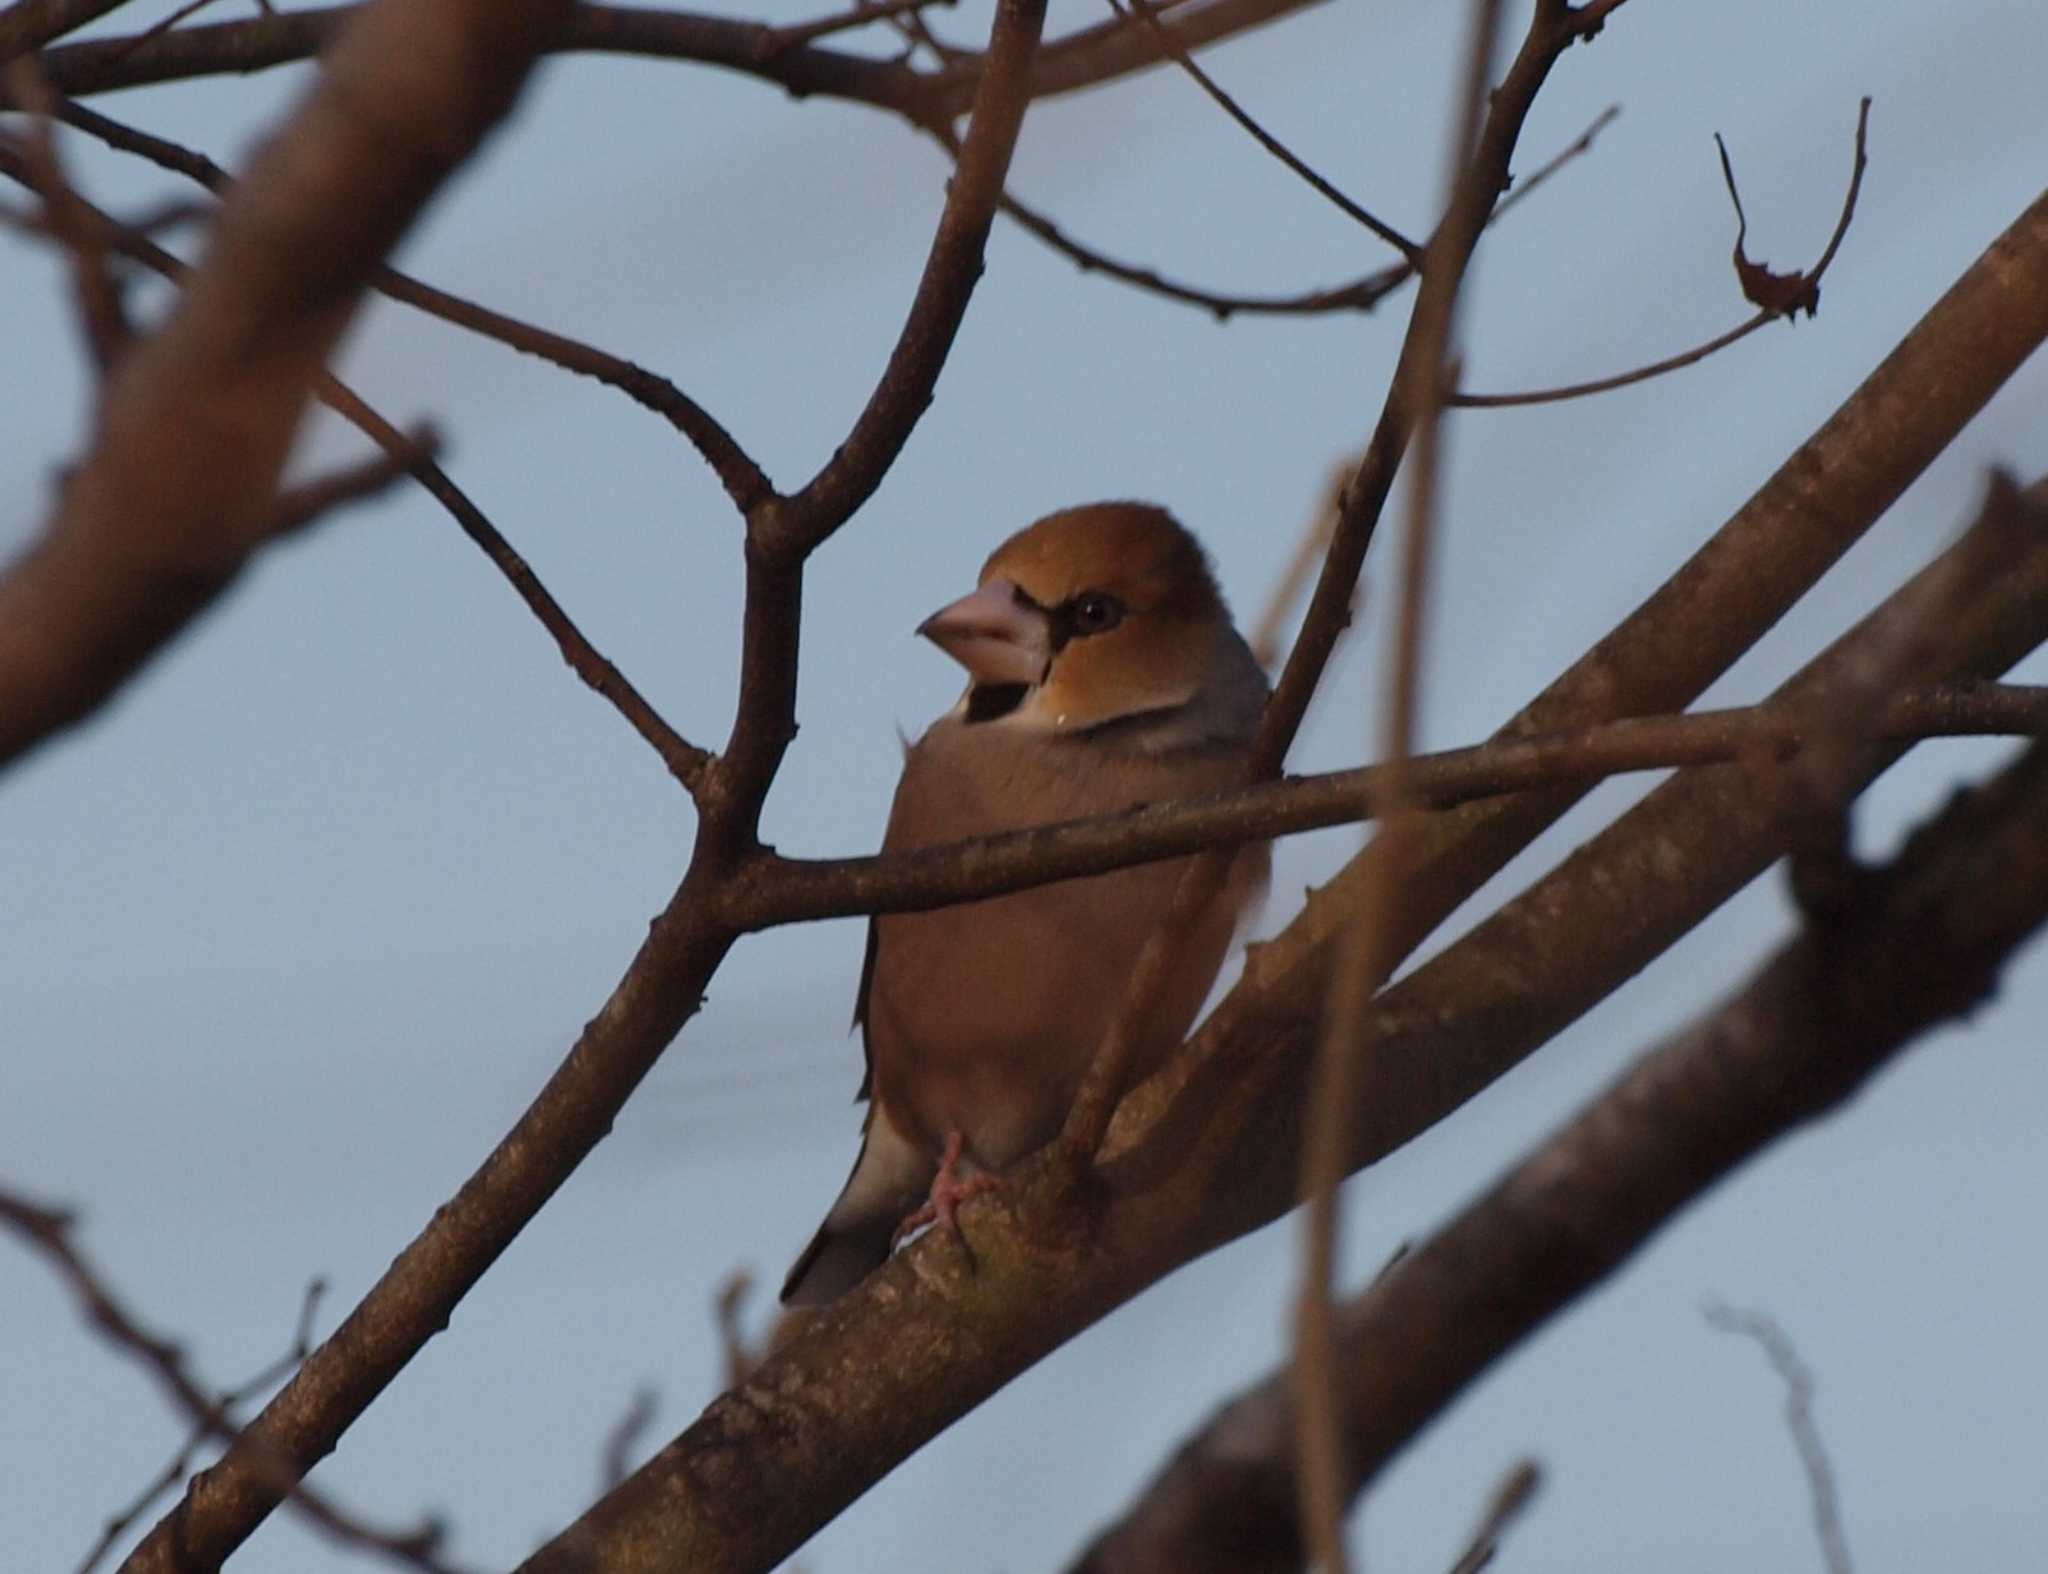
x=860 y=1014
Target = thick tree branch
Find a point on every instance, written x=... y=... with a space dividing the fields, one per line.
x=288 y=513
x=195 y=423
x=1923 y=945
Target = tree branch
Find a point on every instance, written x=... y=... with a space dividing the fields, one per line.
x=1083 y=59
x=775 y=890
x=49 y=1232
x=195 y=422
x=1925 y=945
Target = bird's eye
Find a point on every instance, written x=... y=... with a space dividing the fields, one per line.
x=1096 y=612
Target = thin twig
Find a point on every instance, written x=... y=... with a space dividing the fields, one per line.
x=685 y=761
x=311 y=501
x=1373 y=951
x=49 y=1232
x=623 y=1439
x=1517 y=1490
x=1797 y=1376
x=1320 y=184
x=161 y=26
x=864 y=14
x=1308 y=552
x=742 y=479
x=179 y=1466
x=1671 y=363
x=1361 y=294
x=100 y=312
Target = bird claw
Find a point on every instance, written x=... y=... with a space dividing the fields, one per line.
x=948 y=1191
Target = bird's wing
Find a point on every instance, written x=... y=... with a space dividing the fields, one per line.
x=860 y=1015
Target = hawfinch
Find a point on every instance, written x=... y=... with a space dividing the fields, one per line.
x=1103 y=672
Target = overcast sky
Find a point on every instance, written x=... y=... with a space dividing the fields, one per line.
x=296 y=928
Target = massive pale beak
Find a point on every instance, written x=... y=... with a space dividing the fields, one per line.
x=995 y=635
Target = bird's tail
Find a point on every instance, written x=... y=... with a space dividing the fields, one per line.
x=837 y=1259
x=889 y=1179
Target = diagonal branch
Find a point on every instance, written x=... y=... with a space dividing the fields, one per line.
x=194 y=425
x=49 y=1232
x=1149 y=14
x=1925 y=945
x=742 y=478
x=288 y=512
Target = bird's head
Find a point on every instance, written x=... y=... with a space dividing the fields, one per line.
x=1090 y=615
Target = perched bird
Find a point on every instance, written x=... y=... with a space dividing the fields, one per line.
x=1103 y=672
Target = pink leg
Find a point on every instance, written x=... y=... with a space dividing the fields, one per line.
x=949 y=1190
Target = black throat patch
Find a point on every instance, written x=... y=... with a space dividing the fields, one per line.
x=989 y=701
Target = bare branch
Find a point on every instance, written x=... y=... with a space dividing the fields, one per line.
x=1810 y=1027
x=1480 y=182
x=1372 y=950
x=49 y=1232
x=195 y=423
x=781 y=890
x=1361 y=294
x=27 y=25
x=1819 y=502
x=1358 y=295
x=782 y=533
x=1779 y=1350
x=312 y=501
x=1781 y=302
x=741 y=477
x=1517 y=1490
x=1083 y=59
x=1149 y=14
x=685 y=761
x=68 y=218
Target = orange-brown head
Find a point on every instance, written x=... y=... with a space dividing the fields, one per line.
x=1091 y=614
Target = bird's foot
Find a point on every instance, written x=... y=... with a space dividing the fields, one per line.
x=949 y=1190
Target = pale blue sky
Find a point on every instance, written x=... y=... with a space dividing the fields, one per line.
x=296 y=928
